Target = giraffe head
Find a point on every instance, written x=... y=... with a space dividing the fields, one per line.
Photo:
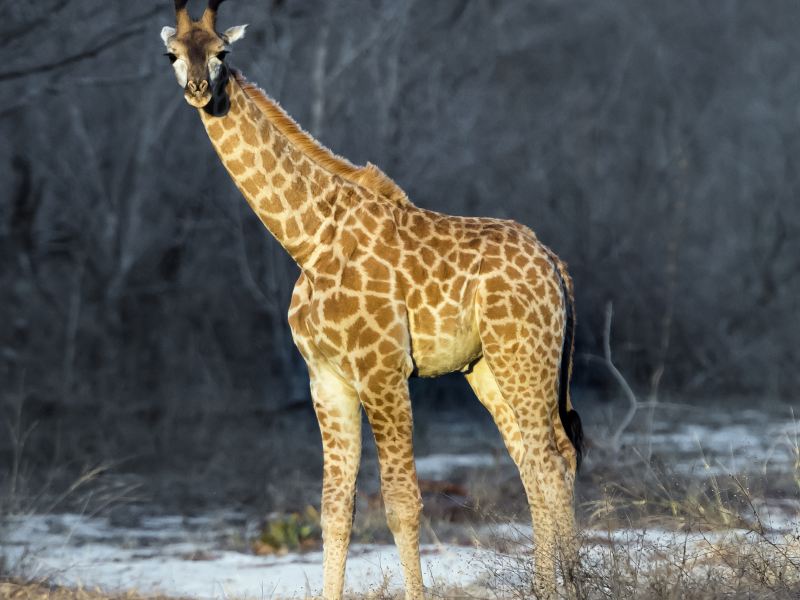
x=197 y=53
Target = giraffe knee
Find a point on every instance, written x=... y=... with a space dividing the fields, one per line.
x=334 y=529
x=559 y=458
x=403 y=513
x=338 y=512
x=570 y=456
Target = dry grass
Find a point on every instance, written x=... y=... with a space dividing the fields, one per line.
x=657 y=535
x=40 y=591
x=666 y=567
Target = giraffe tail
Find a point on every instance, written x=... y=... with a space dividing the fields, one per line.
x=570 y=419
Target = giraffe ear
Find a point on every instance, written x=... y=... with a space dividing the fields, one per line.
x=166 y=33
x=233 y=34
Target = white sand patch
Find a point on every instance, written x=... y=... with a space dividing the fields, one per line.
x=705 y=450
x=440 y=466
x=177 y=557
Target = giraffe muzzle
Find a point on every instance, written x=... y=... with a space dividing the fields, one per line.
x=197 y=93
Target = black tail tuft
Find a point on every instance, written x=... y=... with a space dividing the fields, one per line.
x=569 y=417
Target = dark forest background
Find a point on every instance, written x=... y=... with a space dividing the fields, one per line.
x=655 y=146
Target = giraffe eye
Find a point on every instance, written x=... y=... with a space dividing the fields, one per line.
x=172 y=58
x=222 y=55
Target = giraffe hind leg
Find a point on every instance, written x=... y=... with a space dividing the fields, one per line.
x=547 y=476
x=526 y=375
x=485 y=386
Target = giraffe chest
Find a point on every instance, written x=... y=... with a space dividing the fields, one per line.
x=353 y=331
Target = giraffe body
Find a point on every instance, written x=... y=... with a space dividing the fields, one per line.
x=387 y=290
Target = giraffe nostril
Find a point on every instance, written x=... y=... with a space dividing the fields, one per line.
x=203 y=86
x=192 y=86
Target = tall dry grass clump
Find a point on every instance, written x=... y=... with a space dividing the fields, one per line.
x=656 y=535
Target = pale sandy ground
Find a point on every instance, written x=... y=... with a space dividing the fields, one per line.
x=181 y=557
x=206 y=556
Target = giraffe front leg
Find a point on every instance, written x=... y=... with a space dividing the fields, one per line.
x=339 y=414
x=389 y=413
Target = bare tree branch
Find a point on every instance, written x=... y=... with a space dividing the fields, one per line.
x=116 y=39
x=613 y=442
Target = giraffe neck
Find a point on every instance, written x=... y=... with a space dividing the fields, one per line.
x=294 y=185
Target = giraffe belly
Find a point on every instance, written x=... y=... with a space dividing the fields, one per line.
x=444 y=353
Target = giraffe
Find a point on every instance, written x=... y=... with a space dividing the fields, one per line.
x=388 y=290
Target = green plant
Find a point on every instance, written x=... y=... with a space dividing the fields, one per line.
x=292 y=532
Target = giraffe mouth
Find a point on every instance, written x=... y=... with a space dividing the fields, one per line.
x=198 y=101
